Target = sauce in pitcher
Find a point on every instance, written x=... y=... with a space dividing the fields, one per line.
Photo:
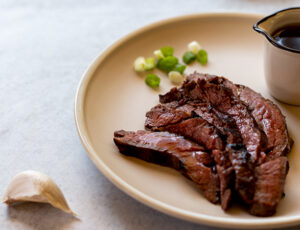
x=288 y=37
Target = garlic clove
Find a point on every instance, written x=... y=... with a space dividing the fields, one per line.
x=34 y=186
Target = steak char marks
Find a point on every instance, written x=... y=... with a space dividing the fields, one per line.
x=270 y=120
x=233 y=119
x=222 y=99
x=225 y=137
x=192 y=125
x=172 y=151
x=272 y=165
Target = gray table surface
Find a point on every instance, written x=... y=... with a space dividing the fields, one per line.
x=45 y=46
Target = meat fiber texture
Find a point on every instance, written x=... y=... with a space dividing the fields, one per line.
x=243 y=135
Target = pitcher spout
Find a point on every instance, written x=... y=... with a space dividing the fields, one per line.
x=274 y=23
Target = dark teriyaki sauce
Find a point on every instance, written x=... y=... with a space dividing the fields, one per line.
x=288 y=37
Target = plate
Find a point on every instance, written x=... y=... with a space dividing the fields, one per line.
x=111 y=96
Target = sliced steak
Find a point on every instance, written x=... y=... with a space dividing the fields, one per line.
x=223 y=122
x=174 y=94
x=232 y=130
x=222 y=99
x=166 y=117
x=176 y=111
x=232 y=160
x=278 y=143
x=244 y=172
x=173 y=151
x=163 y=115
x=198 y=130
x=266 y=114
x=194 y=128
x=269 y=186
x=226 y=176
x=270 y=119
x=275 y=143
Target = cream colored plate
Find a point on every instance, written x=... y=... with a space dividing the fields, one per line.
x=111 y=96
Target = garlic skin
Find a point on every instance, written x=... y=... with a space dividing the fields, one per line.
x=34 y=186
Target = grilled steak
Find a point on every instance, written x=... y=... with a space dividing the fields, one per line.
x=177 y=111
x=269 y=186
x=266 y=114
x=225 y=137
x=277 y=143
x=270 y=119
x=222 y=99
x=166 y=117
x=198 y=130
x=173 y=151
x=163 y=115
x=270 y=176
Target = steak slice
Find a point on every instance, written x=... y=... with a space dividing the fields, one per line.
x=238 y=140
x=162 y=117
x=266 y=114
x=176 y=111
x=194 y=128
x=198 y=130
x=269 y=186
x=270 y=119
x=175 y=94
x=173 y=151
x=276 y=143
x=222 y=99
x=244 y=172
x=232 y=160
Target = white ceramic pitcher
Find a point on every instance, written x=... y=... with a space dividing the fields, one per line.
x=281 y=63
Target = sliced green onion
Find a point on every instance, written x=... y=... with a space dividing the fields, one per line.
x=176 y=77
x=150 y=63
x=180 y=68
x=194 y=47
x=167 y=51
x=139 y=64
x=167 y=64
x=158 y=54
x=202 y=57
x=188 y=57
x=152 y=80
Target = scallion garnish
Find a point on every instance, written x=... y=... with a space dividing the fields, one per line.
x=194 y=47
x=176 y=77
x=149 y=63
x=167 y=64
x=158 y=54
x=188 y=57
x=180 y=68
x=152 y=80
x=202 y=57
x=167 y=51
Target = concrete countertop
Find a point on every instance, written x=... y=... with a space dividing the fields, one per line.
x=45 y=46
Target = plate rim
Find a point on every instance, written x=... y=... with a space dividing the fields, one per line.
x=79 y=117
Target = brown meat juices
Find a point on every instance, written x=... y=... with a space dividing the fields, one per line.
x=226 y=138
